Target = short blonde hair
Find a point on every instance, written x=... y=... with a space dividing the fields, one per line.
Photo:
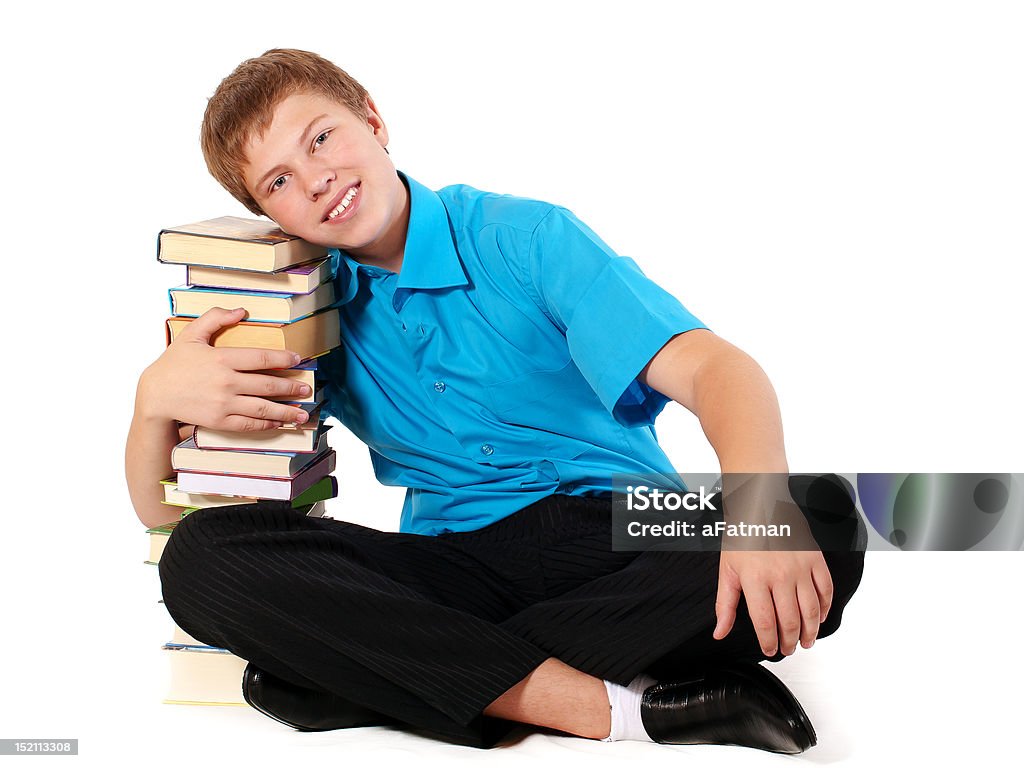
x=243 y=106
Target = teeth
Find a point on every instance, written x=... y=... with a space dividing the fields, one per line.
x=344 y=202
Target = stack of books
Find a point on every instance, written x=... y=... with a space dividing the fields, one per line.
x=284 y=285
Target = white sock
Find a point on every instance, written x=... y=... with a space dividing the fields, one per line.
x=625 y=705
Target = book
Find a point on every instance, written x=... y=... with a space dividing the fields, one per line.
x=321 y=490
x=308 y=337
x=187 y=456
x=261 y=487
x=301 y=279
x=202 y=674
x=299 y=438
x=158 y=538
x=192 y=301
x=177 y=498
x=235 y=243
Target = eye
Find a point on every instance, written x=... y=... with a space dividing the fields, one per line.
x=319 y=140
x=277 y=183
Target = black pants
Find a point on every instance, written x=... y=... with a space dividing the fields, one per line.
x=430 y=630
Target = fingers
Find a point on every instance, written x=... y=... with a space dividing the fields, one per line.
x=788 y=619
x=270 y=386
x=206 y=326
x=258 y=359
x=810 y=612
x=725 y=605
x=823 y=584
x=762 y=616
x=265 y=412
x=236 y=423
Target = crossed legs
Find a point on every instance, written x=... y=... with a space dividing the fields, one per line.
x=456 y=634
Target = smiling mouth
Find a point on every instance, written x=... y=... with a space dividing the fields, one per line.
x=344 y=203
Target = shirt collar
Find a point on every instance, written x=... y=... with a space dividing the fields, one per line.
x=430 y=260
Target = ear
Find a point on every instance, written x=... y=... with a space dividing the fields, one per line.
x=376 y=122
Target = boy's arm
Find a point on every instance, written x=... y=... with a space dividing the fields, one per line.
x=729 y=393
x=147 y=461
x=739 y=412
x=196 y=383
x=615 y=321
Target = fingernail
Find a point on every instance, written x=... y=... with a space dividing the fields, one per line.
x=304 y=389
x=302 y=418
x=296 y=359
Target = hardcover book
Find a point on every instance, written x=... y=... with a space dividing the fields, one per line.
x=299 y=438
x=202 y=674
x=158 y=538
x=321 y=490
x=235 y=243
x=187 y=456
x=308 y=337
x=193 y=301
x=300 y=279
x=260 y=487
x=177 y=498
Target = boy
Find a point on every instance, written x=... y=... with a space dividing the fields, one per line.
x=501 y=363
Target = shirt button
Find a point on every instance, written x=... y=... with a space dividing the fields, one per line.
x=486 y=449
x=403 y=326
x=439 y=386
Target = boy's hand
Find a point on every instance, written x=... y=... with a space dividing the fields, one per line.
x=196 y=383
x=788 y=595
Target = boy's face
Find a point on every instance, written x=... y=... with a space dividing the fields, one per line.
x=322 y=174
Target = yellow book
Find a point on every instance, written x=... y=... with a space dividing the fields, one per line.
x=211 y=676
x=235 y=243
x=308 y=337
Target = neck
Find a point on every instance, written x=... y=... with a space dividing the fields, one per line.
x=388 y=252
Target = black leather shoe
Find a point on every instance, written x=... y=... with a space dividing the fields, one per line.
x=743 y=704
x=303 y=708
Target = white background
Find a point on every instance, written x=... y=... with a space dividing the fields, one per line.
x=833 y=187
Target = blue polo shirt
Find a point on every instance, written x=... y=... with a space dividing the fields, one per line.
x=499 y=365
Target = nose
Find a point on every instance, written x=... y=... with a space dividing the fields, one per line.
x=319 y=182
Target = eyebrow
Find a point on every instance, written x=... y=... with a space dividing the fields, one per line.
x=302 y=142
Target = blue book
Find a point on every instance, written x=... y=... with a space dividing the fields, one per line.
x=193 y=301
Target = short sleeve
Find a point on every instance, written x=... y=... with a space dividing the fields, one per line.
x=614 y=317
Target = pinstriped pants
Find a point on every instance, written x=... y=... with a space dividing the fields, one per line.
x=430 y=630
